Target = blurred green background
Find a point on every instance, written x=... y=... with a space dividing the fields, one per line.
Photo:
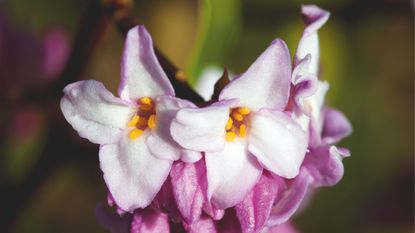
x=367 y=54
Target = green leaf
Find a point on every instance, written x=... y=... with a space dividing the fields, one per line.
x=218 y=26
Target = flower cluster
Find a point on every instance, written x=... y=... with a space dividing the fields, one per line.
x=244 y=163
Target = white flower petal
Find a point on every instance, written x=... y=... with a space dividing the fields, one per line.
x=160 y=142
x=201 y=129
x=205 y=85
x=231 y=174
x=278 y=142
x=141 y=73
x=267 y=81
x=133 y=175
x=95 y=112
x=314 y=18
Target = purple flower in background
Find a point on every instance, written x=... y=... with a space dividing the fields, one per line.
x=56 y=51
x=137 y=151
x=25 y=60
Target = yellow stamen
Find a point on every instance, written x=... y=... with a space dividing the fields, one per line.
x=244 y=110
x=181 y=75
x=146 y=101
x=242 y=130
x=142 y=122
x=236 y=116
x=146 y=107
x=230 y=136
x=152 y=122
x=135 y=133
x=134 y=121
x=229 y=124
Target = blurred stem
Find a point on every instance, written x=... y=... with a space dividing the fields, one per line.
x=60 y=148
x=218 y=26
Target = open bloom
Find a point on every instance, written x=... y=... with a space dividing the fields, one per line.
x=273 y=199
x=136 y=151
x=246 y=130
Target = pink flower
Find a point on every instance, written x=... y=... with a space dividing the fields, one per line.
x=150 y=220
x=308 y=91
x=246 y=130
x=137 y=151
x=322 y=165
x=273 y=199
x=267 y=142
x=326 y=126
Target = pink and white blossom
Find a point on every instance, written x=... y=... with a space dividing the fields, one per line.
x=136 y=150
x=267 y=142
x=246 y=130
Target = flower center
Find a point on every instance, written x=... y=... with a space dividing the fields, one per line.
x=237 y=123
x=143 y=119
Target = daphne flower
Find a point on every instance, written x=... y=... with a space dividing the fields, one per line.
x=230 y=224
x=309 y=92
x=322 y=165
x=136 y=151
x=326 y=126
x=150 y=220
x=273 y=200
x=246 y=130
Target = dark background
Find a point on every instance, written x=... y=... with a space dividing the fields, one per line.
x=367 y=56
